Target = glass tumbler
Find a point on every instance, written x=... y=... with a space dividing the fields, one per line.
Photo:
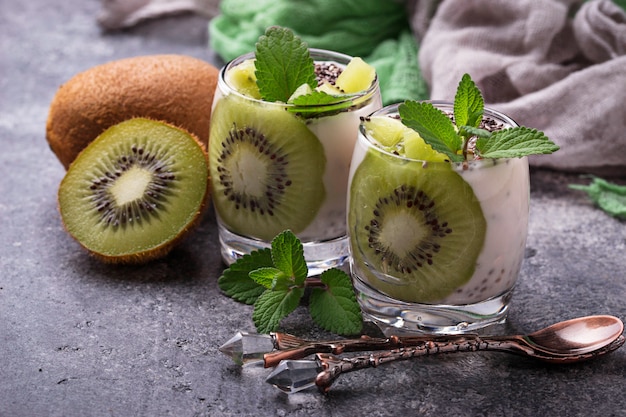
x=436 y=247
x=275 y=166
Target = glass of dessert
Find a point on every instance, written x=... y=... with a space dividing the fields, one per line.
x=283 y=127
x=438 y=213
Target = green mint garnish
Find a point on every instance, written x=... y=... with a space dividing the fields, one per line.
x=608 y=196
x=468 y=103
x=317 y=102
x=283 y=64
x=434 y=126
x=515 y=142
x=274 y=305
x=274 y=280
x=439 y=131
x=236 y=282
x=335 y=307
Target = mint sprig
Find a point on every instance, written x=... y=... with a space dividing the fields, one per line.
x=275 y=279
x=434 y=126
x=514 y=142
x=455 y=138
x=282 y=64
x=608 y=196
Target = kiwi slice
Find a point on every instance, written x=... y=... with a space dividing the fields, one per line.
x=397 y=138
x=133 y=192
x=357 y=76
x=266 y=168
x=242 y=78
x=419 y=223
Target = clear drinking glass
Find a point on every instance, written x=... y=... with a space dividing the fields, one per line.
x=301 y=182
x=453 y=236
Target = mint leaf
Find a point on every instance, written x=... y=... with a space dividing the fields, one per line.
x=335 y=308
x=283 y=63
x=434 y=126
x=267 y=276
x=288 y=256
x=514 y=143
x=272 y=306
x=468 y=103
x=235 y=280
x=608 y=196
x=318 y=102
x=474 y=131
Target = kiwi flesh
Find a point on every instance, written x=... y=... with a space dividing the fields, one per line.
x=357 y=76
x=174 y=88
x=266 y=168
x=135 y=191
x=419 y=223
x=396 y=138
x=242 y=78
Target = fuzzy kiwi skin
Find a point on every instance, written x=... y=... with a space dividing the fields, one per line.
x=146 y=256
x=174 y=88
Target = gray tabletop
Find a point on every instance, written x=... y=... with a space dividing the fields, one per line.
x=79 y=338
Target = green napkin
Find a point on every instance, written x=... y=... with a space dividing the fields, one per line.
x=378 y=31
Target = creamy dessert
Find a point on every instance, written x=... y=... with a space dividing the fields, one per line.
x=278 y=165
x=426 y=230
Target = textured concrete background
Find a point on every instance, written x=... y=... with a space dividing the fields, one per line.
x=79 y=338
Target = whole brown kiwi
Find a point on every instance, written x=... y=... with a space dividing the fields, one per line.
x=177 y=89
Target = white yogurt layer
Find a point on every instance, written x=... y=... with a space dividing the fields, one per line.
x=338 y=135
x=503 y=192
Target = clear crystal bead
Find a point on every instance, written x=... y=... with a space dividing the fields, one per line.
x=246 y=348
x=292 y=376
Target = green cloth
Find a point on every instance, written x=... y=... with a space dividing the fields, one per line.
x=376 y=30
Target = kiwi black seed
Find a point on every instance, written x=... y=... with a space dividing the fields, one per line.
x=135 y=191
x=266 y=168
x=420 y=224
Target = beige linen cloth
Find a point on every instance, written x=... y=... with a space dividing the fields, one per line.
x=118 y=14
x=555 y=65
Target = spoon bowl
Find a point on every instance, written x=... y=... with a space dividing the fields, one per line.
x=576 y=337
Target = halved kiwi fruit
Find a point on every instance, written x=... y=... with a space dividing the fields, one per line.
x=266 y=168
x=135 y=191
x=419 y=223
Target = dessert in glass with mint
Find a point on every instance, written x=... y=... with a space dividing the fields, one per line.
x=438 y=213
x=283 y=126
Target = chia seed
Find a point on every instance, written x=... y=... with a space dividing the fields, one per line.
x=327 y=71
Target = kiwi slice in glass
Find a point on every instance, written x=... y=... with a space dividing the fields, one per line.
x=417 y=223
x=133 y=192
x=266 y=168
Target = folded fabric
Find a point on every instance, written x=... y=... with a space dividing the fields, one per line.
x=375 y=30
x=118 y=14
x=555 y=65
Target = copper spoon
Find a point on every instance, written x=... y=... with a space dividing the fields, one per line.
x=568 y=341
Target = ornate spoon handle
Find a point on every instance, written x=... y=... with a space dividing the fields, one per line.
x=291 y=347
x=333 y=366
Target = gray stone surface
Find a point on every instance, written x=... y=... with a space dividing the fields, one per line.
x=79 y=338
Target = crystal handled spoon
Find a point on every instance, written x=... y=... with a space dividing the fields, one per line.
x=564 y=342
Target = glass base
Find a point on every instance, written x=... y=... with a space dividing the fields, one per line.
x=319 y=255
x=395 y=317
